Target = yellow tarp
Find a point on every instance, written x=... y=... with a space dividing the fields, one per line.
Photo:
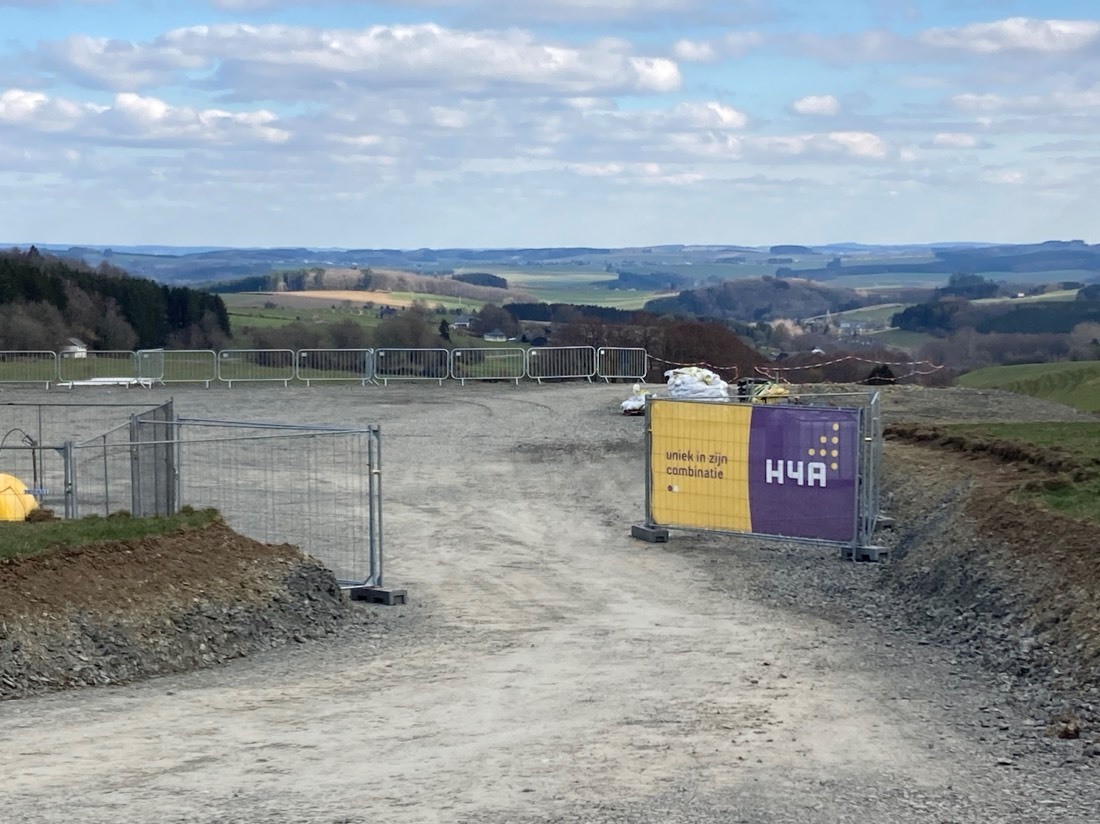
x=15 y=502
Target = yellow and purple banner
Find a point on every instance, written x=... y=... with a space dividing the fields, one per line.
x=771 y=470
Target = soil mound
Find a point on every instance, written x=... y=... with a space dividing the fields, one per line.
x=113 y=612
x=1004 y=579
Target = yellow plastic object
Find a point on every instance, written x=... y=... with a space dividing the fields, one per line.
x=771 y=393
x=15 y=501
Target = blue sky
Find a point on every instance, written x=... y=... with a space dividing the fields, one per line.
x=410 y=123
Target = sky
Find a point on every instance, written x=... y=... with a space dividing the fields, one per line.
x=505 y=123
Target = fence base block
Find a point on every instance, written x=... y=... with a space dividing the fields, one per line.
x=885 y=522
x=652 y=534
x=870 y=554
x=378 y=595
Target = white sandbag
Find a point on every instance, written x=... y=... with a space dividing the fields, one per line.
x=636 y=402
x=696 y=383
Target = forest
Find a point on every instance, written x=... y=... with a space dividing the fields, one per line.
x=45 y=300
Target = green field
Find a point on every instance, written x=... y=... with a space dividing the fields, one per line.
x=1081 y=440
x=573 y=285
x=903 y=339
x=1074 y=383
x=20 y=539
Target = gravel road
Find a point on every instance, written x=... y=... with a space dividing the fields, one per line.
x=550 y=669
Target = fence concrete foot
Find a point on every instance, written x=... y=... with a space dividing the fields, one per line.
x=869 y=554
x=885 y=522
x=652 y=534
x=378 y=595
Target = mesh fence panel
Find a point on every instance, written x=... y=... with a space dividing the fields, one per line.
x=307 y=488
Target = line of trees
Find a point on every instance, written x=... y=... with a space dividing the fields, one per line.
x=44 y=300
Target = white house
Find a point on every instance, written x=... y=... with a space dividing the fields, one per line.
x=496 y=336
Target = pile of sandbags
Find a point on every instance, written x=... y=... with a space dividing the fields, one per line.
x=771 y=393
x=635 y=404
x=696 y=384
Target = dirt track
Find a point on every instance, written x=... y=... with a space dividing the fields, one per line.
x=548 y=668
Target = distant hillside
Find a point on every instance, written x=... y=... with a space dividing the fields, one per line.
x=759 y=299
x=45 y=300
x=1051 y=256
x=1075 y=383
x=367 y=280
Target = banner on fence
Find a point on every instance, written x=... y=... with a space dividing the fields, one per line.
x=787 y=471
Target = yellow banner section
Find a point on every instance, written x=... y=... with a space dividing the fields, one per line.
x=699 y=464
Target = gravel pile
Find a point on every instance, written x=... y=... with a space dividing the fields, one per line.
x=79 y=624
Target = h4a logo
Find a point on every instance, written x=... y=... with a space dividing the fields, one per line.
x=802 y=473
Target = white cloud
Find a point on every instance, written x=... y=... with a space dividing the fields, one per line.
x=816 y=104
x=860 y=144
x=286 y=62
x=114 y=64
x=711 y=115
x=954 y=140
x=132 y=117
x=1019 y=34
x=1066 y=100
x=561 y=11
x=1004 y=177
x=694 y=51
x=732 y=44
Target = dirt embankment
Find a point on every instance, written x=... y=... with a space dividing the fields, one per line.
x=1000 y=577
x=114 y=612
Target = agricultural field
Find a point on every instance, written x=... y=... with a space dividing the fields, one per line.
x=1074 y=383
x=901 y=339
x=572 y=285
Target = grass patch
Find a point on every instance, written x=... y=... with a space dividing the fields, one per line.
x=1074 y=383
x=18 y=539
x=1061 y=493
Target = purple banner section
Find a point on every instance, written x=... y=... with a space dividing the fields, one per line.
x=803 y=471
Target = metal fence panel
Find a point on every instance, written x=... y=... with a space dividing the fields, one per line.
x=804 y=468
x=561 y=363
x=335 y=365
x=412 y=365
x=153 y=462
x=108 y=368
x=102 y=474
x=256 y=365
x=488 y=364
x=614 y=362
x=28 y=367
x=149 y=364
x=190 y=366
x=315 y=488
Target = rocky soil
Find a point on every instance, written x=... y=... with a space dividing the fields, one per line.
x=111 y=613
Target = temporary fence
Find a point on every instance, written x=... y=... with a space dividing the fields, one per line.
x=98 y=368
x=327 y=365
x=28 y=367
x=561 y=363
x=148 y=367
x=188 y=366
x=804 y=469
x=256 y=366
x=621 y=363
x=412 y=365
x=488 y=364
x=317 y=487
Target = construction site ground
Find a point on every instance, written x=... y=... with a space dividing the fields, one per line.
x=549 y=668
